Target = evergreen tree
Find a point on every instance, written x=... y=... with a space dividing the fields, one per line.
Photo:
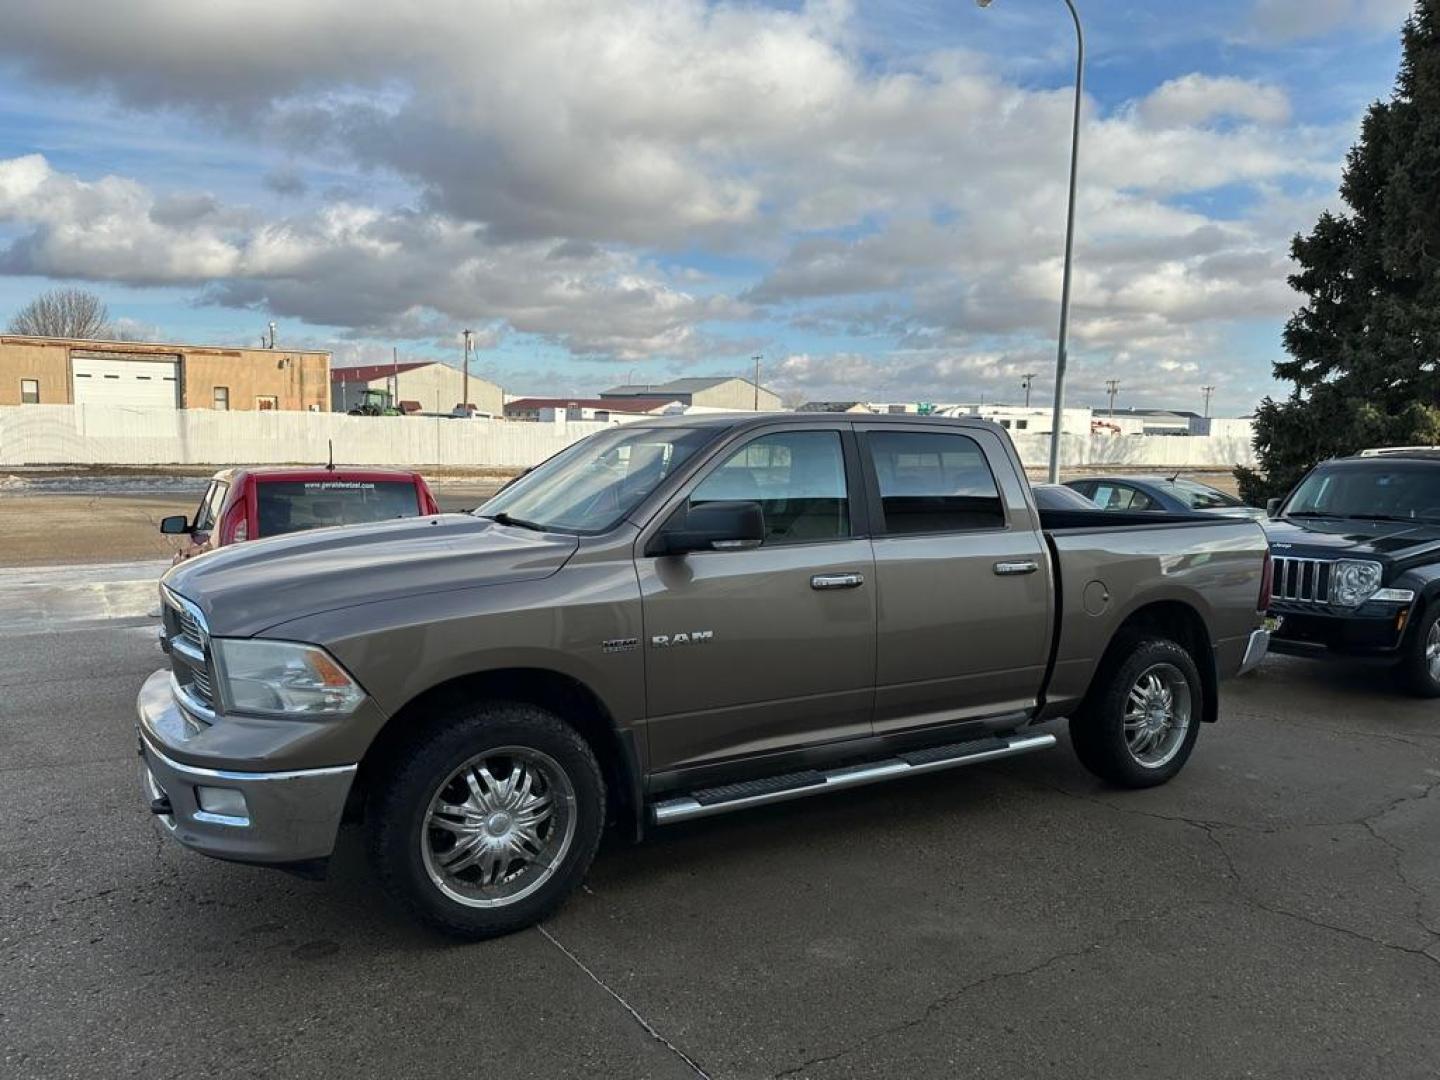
x=1364 y=349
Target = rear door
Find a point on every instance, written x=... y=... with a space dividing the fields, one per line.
x=770 y=648
x=964 y=617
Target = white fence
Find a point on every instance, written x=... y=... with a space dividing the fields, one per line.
x=106 y=435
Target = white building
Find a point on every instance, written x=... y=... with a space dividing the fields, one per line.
x=428 y=386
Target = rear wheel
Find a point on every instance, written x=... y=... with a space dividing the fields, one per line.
x=1420 y=670
x=487 y=825
x=1140 y=721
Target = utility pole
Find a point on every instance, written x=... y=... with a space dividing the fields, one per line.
x=1112 y=387
x=394 y=376
x=757 y=359
x=465 y=392
x=1025 y=381
x=1207 y=391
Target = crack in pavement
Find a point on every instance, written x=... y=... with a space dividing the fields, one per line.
x=1209 y=829
x=645 y=1025
x=950 y=997
x=1239 y=893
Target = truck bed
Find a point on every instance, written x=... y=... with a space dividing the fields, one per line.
x=1108 y=565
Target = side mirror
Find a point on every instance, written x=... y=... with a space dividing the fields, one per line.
x=716 y=526
x=175 y=525
x=1272 y=506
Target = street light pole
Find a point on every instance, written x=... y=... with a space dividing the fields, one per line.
x=1207 y=391
x=465 y=383
x=1060 y=354
x=757 y=359
x=1112 y=387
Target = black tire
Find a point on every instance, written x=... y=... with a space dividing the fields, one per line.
x=401 y=845
x=1097 y=730
x=1414 y=670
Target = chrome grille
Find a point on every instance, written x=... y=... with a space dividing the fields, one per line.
x=189 y=648
x=1302 y=581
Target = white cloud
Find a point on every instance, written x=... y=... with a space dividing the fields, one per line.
x=1198 y=99
x=1295 y=20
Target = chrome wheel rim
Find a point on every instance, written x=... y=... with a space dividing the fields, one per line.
x=1157 y=715
x=1432 y=651
x=498 y=827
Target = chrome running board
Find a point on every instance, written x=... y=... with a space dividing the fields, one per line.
x=797 y=785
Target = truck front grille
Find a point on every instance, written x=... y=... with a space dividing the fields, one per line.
x=1302 y=581
x=189 y=648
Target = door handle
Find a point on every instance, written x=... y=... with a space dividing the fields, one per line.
x=837 y=581
x=1010 y=569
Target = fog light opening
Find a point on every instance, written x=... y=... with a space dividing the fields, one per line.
x=223 y=802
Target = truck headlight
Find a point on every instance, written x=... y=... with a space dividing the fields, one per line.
x=1353 y=581
x=282 y=678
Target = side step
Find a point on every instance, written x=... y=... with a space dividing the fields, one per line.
x=797 y=785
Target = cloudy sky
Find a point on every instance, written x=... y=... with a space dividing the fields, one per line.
x=869 y=194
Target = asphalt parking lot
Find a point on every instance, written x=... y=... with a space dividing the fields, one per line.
x=1275 y=912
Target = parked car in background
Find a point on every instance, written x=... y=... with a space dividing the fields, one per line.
x=671 y=619
x=248 y=504
x=1173 y=494
x=1357 y=563
x=1060 y=497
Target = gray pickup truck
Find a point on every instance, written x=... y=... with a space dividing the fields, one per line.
x=668 y=620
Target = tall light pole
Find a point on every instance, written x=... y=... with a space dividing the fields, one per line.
x=1112 y=387
x=757 y=358
x=1025 y=381
x=465 y=384
x=1207 y=391
x=1057 y=423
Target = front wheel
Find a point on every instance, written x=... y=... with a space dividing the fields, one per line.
x=1420 y=670
x=486 y=826
x=1138 y=725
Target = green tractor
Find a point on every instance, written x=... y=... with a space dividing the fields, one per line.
x=375 y=403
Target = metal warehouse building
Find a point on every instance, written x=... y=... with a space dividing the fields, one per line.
x=61 y=371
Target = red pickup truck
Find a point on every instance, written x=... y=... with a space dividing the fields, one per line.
x=248 y=504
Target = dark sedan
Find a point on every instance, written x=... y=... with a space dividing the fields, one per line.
x=1170 y=494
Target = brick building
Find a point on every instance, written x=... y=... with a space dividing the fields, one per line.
x=67 y=371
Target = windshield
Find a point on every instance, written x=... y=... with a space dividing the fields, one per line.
x=1399 y=493
x=1200 y=497
x=591 y=486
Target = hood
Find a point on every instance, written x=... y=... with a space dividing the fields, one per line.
x=1385 y=541
x=245 y=588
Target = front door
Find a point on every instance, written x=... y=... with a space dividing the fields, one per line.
x=965 y=597
x=766 y=649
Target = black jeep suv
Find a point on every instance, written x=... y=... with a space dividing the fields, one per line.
x=1356 y=551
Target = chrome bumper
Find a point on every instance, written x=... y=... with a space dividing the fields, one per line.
x=1255 y=650
x=257 y=817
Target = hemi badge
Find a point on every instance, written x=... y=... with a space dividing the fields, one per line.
x=622 y=644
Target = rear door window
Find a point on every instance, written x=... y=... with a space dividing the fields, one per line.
x=286 y=506
x=934 y=482
x=1122 y=497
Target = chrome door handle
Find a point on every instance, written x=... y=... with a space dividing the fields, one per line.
x=1009 y=569
x=837 y=581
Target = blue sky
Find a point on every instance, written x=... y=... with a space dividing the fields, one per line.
x=870 y=195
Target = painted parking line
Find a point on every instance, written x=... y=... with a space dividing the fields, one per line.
x=35 y=599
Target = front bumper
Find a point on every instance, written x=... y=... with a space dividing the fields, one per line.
x=1379 y=635
x=286 y=817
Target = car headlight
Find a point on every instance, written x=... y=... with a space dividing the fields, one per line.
x=1353 y=581
x=282 y=678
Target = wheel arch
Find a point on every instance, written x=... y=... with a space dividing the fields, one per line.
x=562 y=694
x=1182 y=623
